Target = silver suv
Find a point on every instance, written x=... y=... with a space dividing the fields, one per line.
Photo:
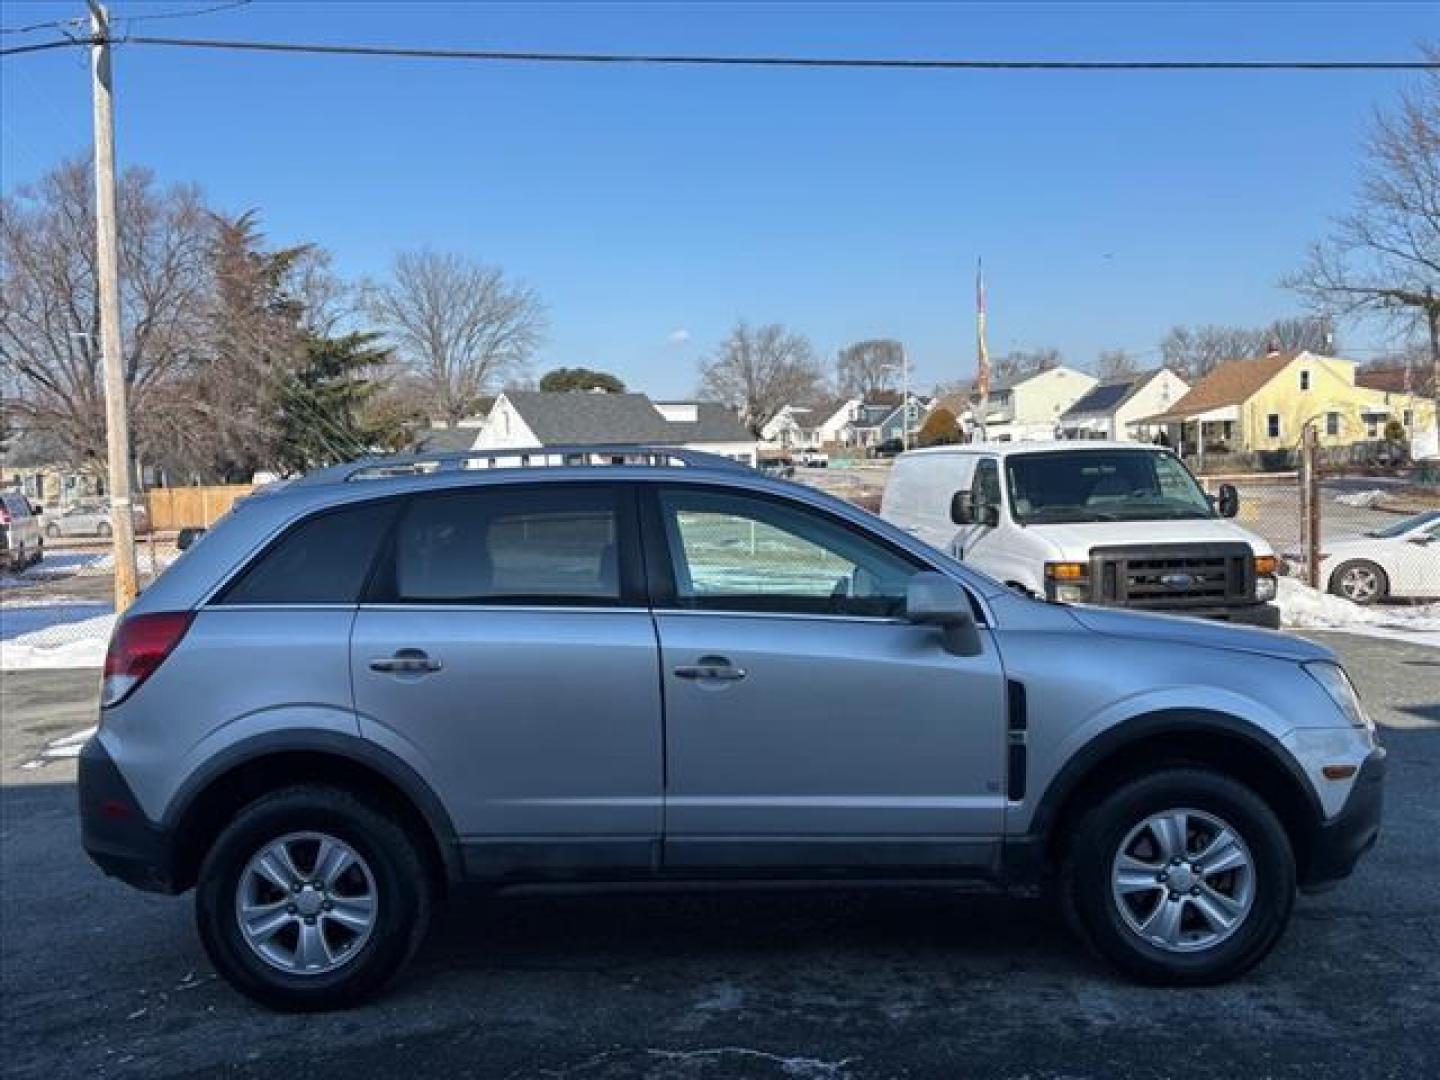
x=657 y=667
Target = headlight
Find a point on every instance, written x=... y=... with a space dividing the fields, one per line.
x=1265 y=588
x=1337 y=684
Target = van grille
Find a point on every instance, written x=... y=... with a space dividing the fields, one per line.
x=1163 y=576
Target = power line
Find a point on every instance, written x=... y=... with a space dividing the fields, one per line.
x=16 y=50
x=715 y=60
x=184 y=13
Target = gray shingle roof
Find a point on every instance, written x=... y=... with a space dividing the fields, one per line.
x=714 y=422
x=619 y=418
x=442 y=440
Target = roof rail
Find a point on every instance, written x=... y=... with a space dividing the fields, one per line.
x=523 y=457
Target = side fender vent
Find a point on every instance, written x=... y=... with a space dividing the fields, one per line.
x=1016 y=729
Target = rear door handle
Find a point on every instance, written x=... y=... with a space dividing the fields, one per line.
x=711 y=667
x=405 y=661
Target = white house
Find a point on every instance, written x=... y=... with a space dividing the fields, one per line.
x=810 y=427
x=1029 y=407
x=1119 y=408
x=533 y=418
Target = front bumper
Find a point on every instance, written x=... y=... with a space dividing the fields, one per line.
x=1336 y=846
x=115 y=832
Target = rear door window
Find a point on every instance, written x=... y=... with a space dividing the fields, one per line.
x=323 y=560
x=510 y=545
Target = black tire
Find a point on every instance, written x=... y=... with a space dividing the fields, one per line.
x=103 y=530
x=403 y=892
x=1095 y=913
x=1381 y=578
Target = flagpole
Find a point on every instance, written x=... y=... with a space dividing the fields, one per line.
x=982 y=355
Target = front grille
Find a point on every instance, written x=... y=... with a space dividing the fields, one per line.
x=1178 y=576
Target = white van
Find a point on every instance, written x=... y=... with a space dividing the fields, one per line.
x=1090 y=522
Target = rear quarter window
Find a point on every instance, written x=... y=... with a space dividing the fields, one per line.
x=325 y=559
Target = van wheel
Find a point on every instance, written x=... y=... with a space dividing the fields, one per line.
x=1184 y=877
x=311 y=900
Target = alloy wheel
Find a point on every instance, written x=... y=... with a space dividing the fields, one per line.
x=1359 y=583
x=1183 y=880
x=306 y=903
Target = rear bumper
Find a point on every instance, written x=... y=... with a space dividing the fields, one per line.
x=115 y=832
x=1337 y=846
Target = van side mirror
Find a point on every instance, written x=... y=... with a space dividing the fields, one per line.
x=1229 y=501
x=960 y=509
x=933 y=599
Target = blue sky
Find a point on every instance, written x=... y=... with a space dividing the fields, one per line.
x=651 y=208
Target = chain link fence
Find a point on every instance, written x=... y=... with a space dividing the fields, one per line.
x=60 y=611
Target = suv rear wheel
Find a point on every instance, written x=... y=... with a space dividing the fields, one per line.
x=1184 y=877
x=310 y=899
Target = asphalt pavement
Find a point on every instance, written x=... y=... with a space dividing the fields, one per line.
x=99 y=980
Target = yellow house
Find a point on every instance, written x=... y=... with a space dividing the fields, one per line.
x=1263 y=404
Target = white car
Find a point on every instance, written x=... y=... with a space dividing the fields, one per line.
x=1400 y=561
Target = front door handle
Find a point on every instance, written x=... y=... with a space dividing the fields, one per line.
x=711 y=667
x=406 y=661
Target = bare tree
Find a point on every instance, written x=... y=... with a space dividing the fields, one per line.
x=1384 y=256
x=1021 y=362
x=460 y=326
x=759 y=370
x=1115 y=364
x=1194 y=351
x=49 y=312
x=867 y=366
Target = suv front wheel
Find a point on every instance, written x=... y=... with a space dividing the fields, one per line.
x=310 y=899
x=1183 y=877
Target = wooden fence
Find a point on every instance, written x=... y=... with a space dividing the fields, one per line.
x=181 y=507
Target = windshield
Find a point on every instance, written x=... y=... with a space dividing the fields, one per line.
x=1103 y=485
x=1405 y=525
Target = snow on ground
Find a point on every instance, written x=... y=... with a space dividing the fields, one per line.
x=1302 y=607
x=67 y=746
x=77 y=644
x=1362 y=499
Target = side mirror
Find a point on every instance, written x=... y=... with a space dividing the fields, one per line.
x=960 y=510
x=1422 y=539
x=933 y=599
x=186 y=540
x=1229 y=501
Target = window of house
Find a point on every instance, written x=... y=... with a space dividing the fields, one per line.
x=1304 y=380
x=1372 y=427
x=542 y=545
x=1272 y=425
x=1409 y=418
x=733 y=552
x=1332 y=423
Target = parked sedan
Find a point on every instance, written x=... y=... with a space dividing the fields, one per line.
x=1401 y=561
x=89 y=519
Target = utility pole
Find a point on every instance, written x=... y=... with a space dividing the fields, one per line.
x=904 y=398
x=107 y=264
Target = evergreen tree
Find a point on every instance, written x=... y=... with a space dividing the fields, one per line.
x=324 y=413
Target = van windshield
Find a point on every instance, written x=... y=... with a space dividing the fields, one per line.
x=1102 y=485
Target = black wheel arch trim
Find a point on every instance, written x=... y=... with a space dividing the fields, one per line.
x=1164 y=722
x=353 y=748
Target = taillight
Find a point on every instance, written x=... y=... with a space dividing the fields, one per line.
x=139 y=645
